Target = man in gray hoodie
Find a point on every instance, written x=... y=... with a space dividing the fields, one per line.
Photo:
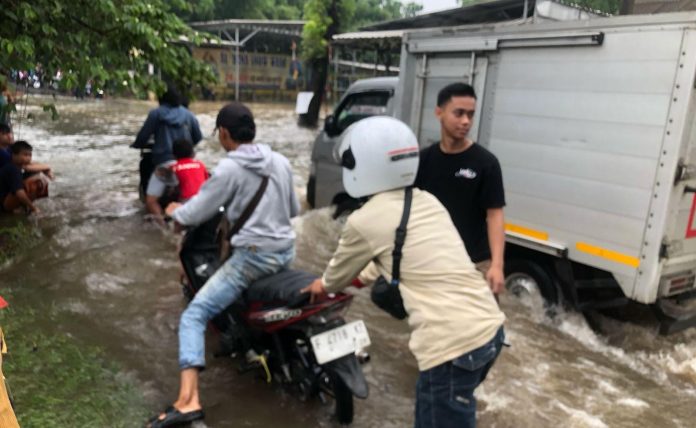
x=263 y=246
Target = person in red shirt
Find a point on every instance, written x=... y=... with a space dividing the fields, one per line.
x=190 y=173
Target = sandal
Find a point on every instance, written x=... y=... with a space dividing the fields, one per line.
x=173 y=417
x=154 y=418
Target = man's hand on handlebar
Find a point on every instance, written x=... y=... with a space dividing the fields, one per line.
x=171 y=207
x=178 y=228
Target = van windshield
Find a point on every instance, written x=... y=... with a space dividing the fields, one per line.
x=360 y=106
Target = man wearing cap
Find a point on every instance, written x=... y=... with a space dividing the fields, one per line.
x=263 y=246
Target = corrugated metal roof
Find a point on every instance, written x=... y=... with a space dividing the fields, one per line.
x=484 y=11
x=282 y=27
x=359 y=35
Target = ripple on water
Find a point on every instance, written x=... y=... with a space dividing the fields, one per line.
x=633 y=402
x=580 y=418
x=75 y=306
x=317 y=238
x=106 y=283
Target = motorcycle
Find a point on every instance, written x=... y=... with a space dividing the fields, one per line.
x=275 y=330
x=145 y=170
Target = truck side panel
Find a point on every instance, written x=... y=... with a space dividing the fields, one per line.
x=581 y=133
x=578 y=132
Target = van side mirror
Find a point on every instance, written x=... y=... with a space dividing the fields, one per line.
x=330 y=126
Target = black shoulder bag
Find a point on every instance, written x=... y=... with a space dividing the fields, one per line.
x=385 y=294
x=224 y=233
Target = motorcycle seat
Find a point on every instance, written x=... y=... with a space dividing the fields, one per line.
x=283 y=286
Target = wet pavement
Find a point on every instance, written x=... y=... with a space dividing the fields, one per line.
x=111 y=277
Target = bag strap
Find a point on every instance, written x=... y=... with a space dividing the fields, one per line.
x=248 y=210
x=401 y=237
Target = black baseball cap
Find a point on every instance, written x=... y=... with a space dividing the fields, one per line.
x=238 y=120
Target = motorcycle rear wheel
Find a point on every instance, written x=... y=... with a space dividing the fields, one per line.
x=344 y=400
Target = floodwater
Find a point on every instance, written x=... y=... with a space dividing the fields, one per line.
x=110 y=278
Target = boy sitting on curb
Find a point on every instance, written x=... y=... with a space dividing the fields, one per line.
x=12 y=188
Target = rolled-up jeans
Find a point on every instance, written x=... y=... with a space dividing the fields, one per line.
x=445 y=393
x=225 y=286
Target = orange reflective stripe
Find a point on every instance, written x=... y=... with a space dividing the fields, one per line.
x=527 y=231
x=608 y=254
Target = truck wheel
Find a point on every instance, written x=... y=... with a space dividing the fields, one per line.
x=527 y=278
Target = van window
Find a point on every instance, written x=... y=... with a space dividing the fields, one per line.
x=359 y=106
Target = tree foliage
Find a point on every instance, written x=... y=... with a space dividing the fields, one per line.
x=606 y=6
x=411 y=9
x=320 y=25
x=110 y=42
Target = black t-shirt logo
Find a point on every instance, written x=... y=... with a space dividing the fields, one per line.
x=465 y=173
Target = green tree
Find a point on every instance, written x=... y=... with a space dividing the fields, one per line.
x=286 y=9
x=193 y=10
x=411 y=9
x=606 y=6
x=372 y=11
x=110 y=42
x=323 y=21
x=325 y=18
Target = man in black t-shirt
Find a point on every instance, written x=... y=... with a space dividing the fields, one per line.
x=468 y=181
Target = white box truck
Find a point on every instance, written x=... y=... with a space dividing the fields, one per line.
x=592 y=122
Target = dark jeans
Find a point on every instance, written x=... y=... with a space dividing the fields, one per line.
x=445 y=393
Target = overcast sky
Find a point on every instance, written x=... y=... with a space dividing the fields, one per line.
x=434 y=5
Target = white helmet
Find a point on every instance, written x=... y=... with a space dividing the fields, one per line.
x=377 y=154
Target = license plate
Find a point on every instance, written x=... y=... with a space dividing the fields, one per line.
x=340 y=341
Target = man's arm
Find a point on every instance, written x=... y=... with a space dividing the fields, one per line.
x=214 y=193
x=35 y=167
x=154 y=208
x=196 y=134
x=369 y=274
x=146 y=131
x=495 y=220
x=351 y=256
x=24 y=200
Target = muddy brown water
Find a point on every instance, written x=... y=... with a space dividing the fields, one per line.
x=111 y=278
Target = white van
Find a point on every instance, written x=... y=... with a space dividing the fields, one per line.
x=364 y=98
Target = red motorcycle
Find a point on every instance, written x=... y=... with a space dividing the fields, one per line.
x=274 y=329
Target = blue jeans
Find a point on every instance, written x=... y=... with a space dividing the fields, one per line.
x=445 y=393
x=224 y=287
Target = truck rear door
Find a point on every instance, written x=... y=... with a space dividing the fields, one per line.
x=434 y=72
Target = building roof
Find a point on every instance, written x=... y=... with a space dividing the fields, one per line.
x=283 y=27
x=385 y=39
x=486 y=11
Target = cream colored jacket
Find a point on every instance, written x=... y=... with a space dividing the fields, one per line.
x=451 y=308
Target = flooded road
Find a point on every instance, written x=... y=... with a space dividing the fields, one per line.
x=110 y=279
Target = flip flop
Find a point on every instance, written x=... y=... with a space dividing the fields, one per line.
x=154 y=418
x=174 y=418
